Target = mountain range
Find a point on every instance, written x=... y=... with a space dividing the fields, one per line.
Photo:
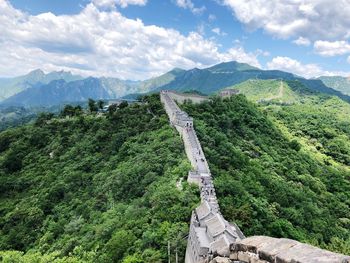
x=40 y=89
x=12 y=86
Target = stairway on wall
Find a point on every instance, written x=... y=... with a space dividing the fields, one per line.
x=210 y=234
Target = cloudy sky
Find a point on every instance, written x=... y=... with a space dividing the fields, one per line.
x=139 y=39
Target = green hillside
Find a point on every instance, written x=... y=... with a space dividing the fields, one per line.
x=210 y=80
x=15 y=116
x=268 y=179
x=319 y=121
x=103 y=188
x=12 y=86
x=338 y=83
x=92 y=188
x=270 y=90
x=40 y=89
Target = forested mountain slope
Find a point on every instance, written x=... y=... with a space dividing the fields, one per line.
x=40 y=89
x=341 y=84
x=12 y=86
x=223 y=75
x=91 y=188
x=273 y=91
x=61 y=87
x=319 y=121
x=268 y=179
x=94 y=188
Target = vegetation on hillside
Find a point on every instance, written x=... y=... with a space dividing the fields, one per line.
x=92 y=187
x=322 y=124
x=341 y=84
x=267 y=182
x=274 y=91
x=86 y=187
x=15 y=116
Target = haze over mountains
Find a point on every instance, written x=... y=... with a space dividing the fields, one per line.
x=40 y=89
x=338 y=83
x=12 y=86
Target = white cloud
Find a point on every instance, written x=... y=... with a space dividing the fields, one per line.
x=188 y=4
x=104 y=3
x=301 y=41
x=305 y=70
x=311 y=19
x=218 y=31
x=211 y=18
x=239 y=54
x=263 y=53
x=125 y=3
x=328 y=49
x=122 y=3
x=99 y=42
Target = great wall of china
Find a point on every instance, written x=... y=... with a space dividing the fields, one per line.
x=212 y=239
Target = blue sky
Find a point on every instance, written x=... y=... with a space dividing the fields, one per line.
x=138 y=39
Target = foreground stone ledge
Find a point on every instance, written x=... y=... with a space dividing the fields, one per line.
x=263 y=249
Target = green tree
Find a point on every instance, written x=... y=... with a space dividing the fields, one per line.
x=123 y=104
x=68 y=110
x=92 y=106
x=295 y=145
x=43 y=118
x=100 y=104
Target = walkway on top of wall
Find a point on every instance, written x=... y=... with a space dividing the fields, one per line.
x=210 y=234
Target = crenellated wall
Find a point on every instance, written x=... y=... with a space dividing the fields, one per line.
x=209 y=233
x=182 y=97
x=212 y=238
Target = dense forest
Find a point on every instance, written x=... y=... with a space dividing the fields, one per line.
x=14 y=116
x=269 y=183
x=93 y=187
x=86 y=186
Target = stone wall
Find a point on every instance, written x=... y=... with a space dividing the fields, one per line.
x=263 y=249
x=209 y=233
x=182 y=97
x=212 y=238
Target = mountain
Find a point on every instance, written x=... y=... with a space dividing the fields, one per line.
x=338 y=83
x=119 y=88
x=12 y=86
x=266 y=90
x=60 y=91
x=15 y=116
x=210 y=80
x=40 y=89
x=36 y=88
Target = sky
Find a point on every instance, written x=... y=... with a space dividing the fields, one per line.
x=140 y=39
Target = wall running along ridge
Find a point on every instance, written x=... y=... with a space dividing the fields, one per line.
x=212 y=238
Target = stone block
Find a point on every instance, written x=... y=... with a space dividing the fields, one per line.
x=268 y=251
x=220 y=260
x=244 y=256
x=257 y=260
x=234 y=256
x=252 y=244
x=303 y=253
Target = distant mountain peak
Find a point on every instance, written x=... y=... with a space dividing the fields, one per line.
x=62 y=71
x=231 y=66
x=176 y=70
x=36 y=72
